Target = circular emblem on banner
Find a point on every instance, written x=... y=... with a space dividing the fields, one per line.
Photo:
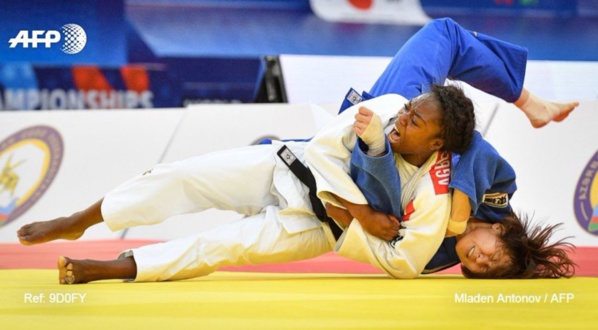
x=29 y=160
x=586 y=197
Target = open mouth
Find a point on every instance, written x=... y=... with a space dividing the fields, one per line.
x=470 y=251
x=394 y=136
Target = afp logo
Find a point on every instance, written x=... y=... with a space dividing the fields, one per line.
x=586 y=197
x=73 y=36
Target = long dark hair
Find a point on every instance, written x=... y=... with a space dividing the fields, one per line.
x=531 y=253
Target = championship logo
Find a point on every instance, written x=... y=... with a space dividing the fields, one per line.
x=586 y=197
x=29 y=160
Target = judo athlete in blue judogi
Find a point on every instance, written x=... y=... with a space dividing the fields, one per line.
x=441 y=50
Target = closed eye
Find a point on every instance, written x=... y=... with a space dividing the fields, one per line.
x=408 y=108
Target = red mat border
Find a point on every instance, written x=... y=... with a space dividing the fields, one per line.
x=44 y=256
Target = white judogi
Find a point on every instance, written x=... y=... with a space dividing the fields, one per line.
x=280 y=226
x=426 y=209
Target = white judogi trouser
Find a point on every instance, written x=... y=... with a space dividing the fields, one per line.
x=280 y=225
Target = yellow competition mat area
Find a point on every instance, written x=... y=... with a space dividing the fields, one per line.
x=32 y=299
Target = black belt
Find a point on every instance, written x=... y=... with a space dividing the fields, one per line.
x=307 y=178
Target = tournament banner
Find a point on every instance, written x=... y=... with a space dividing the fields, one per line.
x=406 y=12
x=168 y=83
x=24 y=86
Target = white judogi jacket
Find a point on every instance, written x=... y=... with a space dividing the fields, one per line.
x=428 y=207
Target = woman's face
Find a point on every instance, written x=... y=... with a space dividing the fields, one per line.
x=480 y=248
x=416 y=133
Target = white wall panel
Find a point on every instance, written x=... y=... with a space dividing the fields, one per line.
x=101 y=150
x=549 y=163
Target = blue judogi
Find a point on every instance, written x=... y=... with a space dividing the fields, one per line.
x=377 y=178
x=441 y=50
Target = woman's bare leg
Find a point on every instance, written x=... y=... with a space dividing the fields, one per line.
x=72 y=271
x=70 y=228
x=541 y=112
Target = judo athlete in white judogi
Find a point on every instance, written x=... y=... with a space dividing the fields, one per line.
x=280 y=225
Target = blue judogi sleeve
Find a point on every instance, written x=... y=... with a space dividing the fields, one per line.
x=377 y=178
x=487 y=178
x=443 y=49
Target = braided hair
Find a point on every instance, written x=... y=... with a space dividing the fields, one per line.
x=458 y=122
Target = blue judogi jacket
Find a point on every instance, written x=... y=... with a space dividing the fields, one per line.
x=481 y=173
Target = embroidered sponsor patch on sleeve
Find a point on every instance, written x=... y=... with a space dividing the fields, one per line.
x=500 y=200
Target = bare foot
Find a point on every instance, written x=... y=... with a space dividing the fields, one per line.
x=541 y=112
x=552 y=111
x=71 y=271
x=41 y=232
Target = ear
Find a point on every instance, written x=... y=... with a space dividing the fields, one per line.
x=498 y=227
x=436 y=144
